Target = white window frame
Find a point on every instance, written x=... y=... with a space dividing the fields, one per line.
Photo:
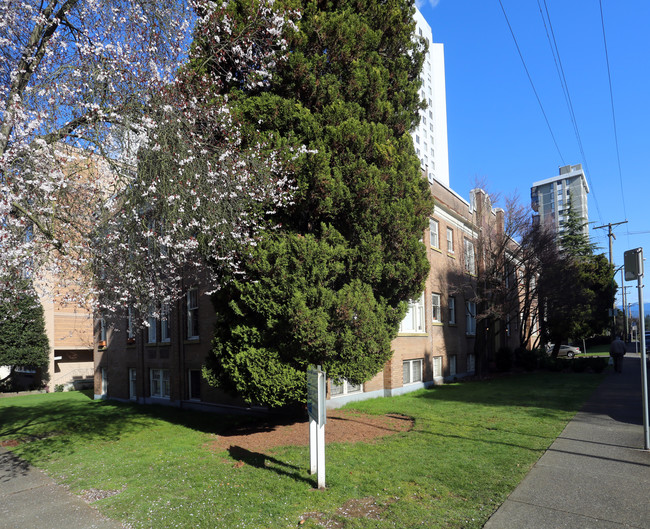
x=165 y=335
x=450 y=240
x=437 y=366
x=413 y=321
x=434 y=233
x=159 y=383
x=436 y=308
x=130 y=327
x=470 y=256
x=470 y=318
x=346 y=388
x=410 y=371
x=451 y=305
x=192 y=300
x=152 y=327
x=133 y=394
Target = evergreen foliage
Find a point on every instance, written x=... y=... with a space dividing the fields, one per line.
x=331 y=285
x=577 y=288
x=23 y=341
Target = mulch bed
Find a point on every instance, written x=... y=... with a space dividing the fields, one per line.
x=343 y=426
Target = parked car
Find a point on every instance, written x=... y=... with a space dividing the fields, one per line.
x=565 y=350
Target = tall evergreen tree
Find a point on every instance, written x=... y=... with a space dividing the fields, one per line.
x=23 y=341
x=330 y=287
x=577 y=288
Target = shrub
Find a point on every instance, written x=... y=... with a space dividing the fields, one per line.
x=597 y=364
x=579 y=364
x=58 y=388
x=503 y=359
x=554 y=365
x=530 y=359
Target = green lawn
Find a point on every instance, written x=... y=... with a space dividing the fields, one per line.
x=598 y=350
x=471 y=445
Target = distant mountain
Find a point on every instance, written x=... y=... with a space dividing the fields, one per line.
x=634 y=309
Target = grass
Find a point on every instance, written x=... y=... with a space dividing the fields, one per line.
x=598 y=350
x=471 y=445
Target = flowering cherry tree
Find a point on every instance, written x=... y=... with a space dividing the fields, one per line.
x=116 y=158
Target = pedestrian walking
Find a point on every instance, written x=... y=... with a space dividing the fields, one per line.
x=617 y=352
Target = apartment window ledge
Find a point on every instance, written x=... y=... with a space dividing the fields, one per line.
x=420 y=334
x=436 y=249
x=437 y=323
x=190 y=341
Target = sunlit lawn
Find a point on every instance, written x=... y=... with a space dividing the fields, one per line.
x=471 y=445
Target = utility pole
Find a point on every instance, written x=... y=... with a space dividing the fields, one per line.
x=626 y=322
x=611 y=236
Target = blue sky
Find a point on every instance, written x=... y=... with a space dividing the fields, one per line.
x=497 y=131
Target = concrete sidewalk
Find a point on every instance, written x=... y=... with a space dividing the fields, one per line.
x=596 y=473
x=29 y=499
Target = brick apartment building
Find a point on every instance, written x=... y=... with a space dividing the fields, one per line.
x=162 y=363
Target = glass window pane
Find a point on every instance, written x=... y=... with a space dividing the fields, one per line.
x=417 y=371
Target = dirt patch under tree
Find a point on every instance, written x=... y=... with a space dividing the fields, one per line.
x=343 y=426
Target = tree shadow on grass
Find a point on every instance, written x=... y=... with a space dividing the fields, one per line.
x=540 y=393
x=56 y=423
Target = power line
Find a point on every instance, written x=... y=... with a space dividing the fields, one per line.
x=531 y=82
x=611 y=98
x=565 y=87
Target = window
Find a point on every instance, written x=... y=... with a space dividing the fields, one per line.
x=437 y=366
x=160 y=383
x=450 y=240
x=433 y=233
x=130 y=328
x=414 y=319
x=471 y=363
x=470 y=317
x=435 y=308
x=343 y=387
x=193 y=314
x=132 y=387
x=411 y=371
x=164 y=324
x=104 y=374
x=452 y=310
x=470 y=263
x=452 y=365
x=152 y=331
x=194 y=379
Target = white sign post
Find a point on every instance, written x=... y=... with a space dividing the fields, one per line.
x=633 y=260
x=316 y=381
